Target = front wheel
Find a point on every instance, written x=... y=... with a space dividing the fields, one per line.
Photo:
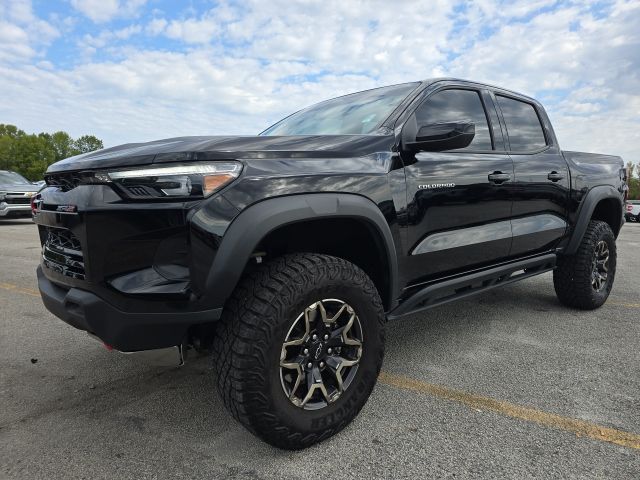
x=584 y=280
x=299 y=348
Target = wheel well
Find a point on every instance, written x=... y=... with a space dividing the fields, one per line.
x=351 y=239
x=608 y=210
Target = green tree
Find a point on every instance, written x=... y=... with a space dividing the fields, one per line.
x=61 y=143
x=633 y=180
x=6 y=149
x=10 y=131
x=87 y=143
x=30 y=154
x=634 y=188
x=630 y=169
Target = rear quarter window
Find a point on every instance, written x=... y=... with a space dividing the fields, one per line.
x=523 y=125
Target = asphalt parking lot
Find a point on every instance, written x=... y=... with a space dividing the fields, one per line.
x=508 y=384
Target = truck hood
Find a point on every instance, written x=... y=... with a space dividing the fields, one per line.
x=19 y=187
x=186 y=149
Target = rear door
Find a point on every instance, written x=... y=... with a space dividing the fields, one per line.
x=541 y=182
x=459 y=201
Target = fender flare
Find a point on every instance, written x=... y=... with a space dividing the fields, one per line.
x=588 y=205
x=255 y=222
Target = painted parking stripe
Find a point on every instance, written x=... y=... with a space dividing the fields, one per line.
x=578 y=427
x=15 y=288
x=622 y=304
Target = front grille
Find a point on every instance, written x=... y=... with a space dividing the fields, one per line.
x=66 y=181
x=62 y=253
x=17 y=200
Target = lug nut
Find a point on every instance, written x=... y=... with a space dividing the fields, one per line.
x=321 y=364
x=315 y=337
x=328 y=350
x=326 y=337
x=306 y=351
x=309 y=365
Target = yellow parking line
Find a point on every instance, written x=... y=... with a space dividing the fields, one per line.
x=579 y=427
x=630 y=305
x=15 y=288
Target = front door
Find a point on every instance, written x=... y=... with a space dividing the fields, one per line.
x=459 y=202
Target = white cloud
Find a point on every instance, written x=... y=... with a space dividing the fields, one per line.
x=104 y=10
x=14 y=43
x=22 y=34
x=156 y=26
x=593 y=61
x=90 y=43
x=192 y=30
x=10 y=33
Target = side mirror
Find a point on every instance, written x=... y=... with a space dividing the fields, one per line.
x=436 y=137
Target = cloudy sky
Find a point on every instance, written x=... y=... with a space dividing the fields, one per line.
x=135 y=70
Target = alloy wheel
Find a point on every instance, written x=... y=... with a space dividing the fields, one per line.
x=321 y=353
x=600 y=266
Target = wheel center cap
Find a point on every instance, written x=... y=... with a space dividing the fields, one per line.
x=316 y=350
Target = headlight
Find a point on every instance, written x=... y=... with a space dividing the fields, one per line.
x=176 y=181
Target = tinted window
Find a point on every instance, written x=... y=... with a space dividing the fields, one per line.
x=12 y=178
x=523 y=125
x=358 y=113
x=457 y=106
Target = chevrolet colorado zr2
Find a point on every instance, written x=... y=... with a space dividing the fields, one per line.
x=285 y=253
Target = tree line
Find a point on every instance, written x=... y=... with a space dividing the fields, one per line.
x=633 y=180
x=31 y=154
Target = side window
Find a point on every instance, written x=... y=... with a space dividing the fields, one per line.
x=455 y=106
x=523 y=125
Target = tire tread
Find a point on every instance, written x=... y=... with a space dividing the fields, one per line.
x=246 y=330
x=572 y=276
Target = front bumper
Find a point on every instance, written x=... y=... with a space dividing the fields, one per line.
x=124 y=331
x=11 y=210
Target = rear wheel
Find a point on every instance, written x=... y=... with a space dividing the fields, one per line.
x=584 y=280
x=299 y=348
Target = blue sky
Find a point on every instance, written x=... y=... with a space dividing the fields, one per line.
x=137 y=70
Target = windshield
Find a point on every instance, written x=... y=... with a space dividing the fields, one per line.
x=13 y=178
x=357 y=113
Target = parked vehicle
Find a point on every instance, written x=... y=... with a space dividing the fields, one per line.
x=15 y=195
x=286 y=253
x=633 y=211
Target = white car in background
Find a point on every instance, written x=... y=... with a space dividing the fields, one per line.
x=632 y=213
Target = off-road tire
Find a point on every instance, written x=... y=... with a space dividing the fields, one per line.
x=572 y=277
x=251 y=332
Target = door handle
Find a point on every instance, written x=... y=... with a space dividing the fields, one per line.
x=555 y=176
x=499 y=177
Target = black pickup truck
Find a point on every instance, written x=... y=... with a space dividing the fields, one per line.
x=286 y=253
